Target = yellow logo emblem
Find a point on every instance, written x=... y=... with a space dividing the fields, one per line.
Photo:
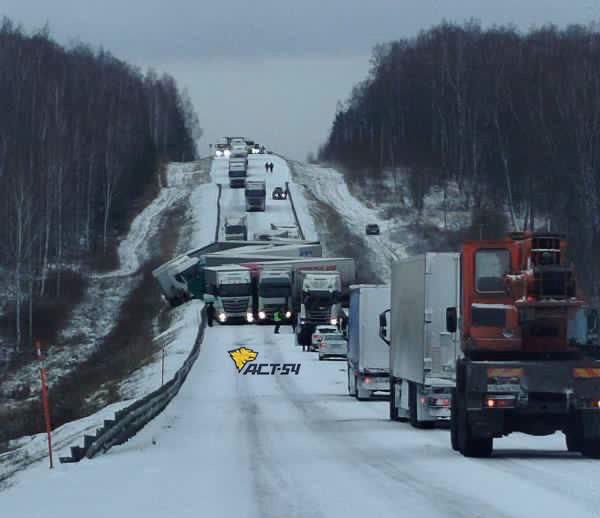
x=241 y=356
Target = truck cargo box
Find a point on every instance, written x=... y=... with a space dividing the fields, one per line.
x=422 y=288
x=366 y=351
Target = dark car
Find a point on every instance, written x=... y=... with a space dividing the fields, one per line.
x=372 y=229
x=279 y=194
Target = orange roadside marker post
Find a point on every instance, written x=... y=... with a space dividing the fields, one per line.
x=45 y=403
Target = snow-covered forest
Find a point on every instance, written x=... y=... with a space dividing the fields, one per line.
x=82 y=137
x=512 y=118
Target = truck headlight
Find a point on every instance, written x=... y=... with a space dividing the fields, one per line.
x=222 y=317
x=249 y=317
x=288 y=314
x=333 y=321
x=219 y=152
x=227 y=153
x=262 y=315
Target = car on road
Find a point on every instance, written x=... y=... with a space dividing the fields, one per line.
x=318 y=334
x=372 y=229
x=279 y=194
x=332 y=344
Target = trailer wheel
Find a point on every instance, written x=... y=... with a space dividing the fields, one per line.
x=361 y=395
x=591 y=448
x=468 y=445
x=412 y=408
x=574 y=433
x=350 y=392
x=453 y=422
x=393 y=409
x=573 y=439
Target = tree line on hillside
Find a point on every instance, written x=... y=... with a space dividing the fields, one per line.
x=513 y=118
x=82 y=135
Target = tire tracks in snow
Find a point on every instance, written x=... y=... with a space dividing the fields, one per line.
x=321 y=421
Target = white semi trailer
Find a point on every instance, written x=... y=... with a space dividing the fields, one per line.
x=422 y=353
x=368 y=355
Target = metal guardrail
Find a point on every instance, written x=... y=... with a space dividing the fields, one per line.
x=294 y=210
x=130 y=420
x=220 y=187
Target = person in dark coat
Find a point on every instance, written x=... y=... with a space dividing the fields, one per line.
x=210 y=314
x=271 y=167
x=267 y=167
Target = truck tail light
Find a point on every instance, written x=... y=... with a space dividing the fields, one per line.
x=367 y=379
x=499 y=401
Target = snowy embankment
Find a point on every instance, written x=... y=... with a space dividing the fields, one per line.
x=100 y=309
x=326 y=194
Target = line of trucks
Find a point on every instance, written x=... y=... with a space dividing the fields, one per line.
x=254 y=190
x=247 y=281
x=231 y=146
x=493 y=339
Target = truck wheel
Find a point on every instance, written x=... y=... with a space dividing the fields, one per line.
x=412 y=408
x=591 y=448
x=361 y=395
x=573 y=439
x=393 y=409
x=468 y=445
x=453 y=422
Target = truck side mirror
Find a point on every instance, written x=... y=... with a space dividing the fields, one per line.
x=451 y=320
x=383 y=326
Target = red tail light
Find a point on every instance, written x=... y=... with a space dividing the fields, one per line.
x=367 y=379
x=499 y=401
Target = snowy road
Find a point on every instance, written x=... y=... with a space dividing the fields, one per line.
x=274 y=445
x=233 y=202
x=235 y=445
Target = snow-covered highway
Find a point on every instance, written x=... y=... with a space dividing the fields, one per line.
x=296 y=445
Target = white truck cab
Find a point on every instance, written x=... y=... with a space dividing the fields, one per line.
x=229 y=288
x=274 y=292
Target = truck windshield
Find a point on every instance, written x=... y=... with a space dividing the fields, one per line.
x=490 y=267
x=235 y=229
x=234 y=290
x=237 y=174
x=319 y=298
x=270 y=291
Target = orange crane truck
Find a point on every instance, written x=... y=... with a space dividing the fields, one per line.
x=522 y=368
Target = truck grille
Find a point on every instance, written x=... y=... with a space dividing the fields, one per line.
x=318 y=315
x=235 y=306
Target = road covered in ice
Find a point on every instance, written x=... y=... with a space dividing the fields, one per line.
x=233 y=201
x=296 y=445
x=272 y=444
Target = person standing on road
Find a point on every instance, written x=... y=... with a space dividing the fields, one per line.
x=277 y=318
x=210 y=314
x=271 y=167
x=266 y=167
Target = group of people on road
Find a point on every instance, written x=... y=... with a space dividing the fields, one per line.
x=269 y=167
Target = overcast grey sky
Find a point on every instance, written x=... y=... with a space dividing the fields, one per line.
x=270 y=69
